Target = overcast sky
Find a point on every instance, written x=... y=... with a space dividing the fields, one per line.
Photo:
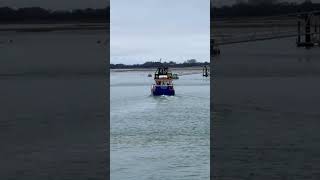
x=147 y=30
x=55 y=4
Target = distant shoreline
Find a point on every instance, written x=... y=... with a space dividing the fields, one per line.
x=41 y=27
x=181 y=71
x=263 y=8
x=153 y=69
x=254 y=22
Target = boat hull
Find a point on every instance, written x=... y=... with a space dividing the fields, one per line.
x=162 y=90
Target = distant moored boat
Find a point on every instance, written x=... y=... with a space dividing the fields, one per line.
x=175 y=76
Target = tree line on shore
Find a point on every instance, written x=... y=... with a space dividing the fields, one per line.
x=153 y=64
x=263 y=8
x=38 y=14
x=240 y=9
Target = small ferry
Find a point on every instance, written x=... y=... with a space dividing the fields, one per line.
x=163 y=83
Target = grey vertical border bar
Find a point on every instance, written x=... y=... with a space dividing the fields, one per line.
x=107 y=99
x=211 y=99
x=37 y=149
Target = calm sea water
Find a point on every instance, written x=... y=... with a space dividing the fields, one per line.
x=53 y=122
x=266 y=111
x=159 y=137
x=52 y=52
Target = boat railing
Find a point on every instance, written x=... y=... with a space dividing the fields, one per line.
x=162 y=85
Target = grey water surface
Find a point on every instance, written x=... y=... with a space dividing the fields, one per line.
x=266 y=111
x=159 y=137
x=53 y=122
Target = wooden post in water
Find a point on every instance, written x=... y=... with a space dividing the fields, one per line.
x=318 y=24
x=308 y=29
x=299 y=32
x=212 y=46
x=319 y=28
x=315 y=27
x=205 y=71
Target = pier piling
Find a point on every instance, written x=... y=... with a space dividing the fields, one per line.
x=311 y=23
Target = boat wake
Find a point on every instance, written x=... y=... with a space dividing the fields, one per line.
x=165 y=98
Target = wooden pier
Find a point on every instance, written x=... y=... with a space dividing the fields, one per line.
x=305 y=26
x=310 y=23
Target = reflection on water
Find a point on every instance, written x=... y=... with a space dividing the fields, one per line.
x=159 y=137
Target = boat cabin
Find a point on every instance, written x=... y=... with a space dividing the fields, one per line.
x=162 y=73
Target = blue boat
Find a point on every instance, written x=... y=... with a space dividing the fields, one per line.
x=163 y=83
